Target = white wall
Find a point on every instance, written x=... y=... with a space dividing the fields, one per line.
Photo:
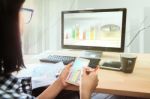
x=43 y=32
x=137 y=10
x=147 y=32
x=50 y=20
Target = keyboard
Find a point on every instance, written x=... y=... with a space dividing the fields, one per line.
x=68 y=59
x=58 y=58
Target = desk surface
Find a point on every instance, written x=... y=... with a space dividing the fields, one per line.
x=115 y=82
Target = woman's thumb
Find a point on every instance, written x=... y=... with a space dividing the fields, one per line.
x=84 y=71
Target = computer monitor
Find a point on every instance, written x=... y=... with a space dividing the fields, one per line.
x=94 y=29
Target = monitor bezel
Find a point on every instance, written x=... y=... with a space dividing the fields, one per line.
x=111 y=49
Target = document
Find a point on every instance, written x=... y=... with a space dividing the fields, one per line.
x=42 y=74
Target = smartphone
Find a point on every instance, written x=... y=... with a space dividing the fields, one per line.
x=75 y=72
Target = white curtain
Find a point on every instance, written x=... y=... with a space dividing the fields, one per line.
x=44 y=30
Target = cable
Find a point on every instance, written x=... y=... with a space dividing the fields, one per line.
x=138 y=32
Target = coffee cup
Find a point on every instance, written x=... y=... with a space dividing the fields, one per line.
x=127 y=62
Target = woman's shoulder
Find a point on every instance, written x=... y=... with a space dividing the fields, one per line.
x=13 y=87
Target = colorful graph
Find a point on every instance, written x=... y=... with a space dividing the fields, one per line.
x=74 y=77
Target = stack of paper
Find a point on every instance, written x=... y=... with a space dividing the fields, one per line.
x=42 y=74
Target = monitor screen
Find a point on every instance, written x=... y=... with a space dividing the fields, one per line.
x=96 y=29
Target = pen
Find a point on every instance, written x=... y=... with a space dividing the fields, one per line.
x=91 y=70
x=58 y=73
x=96 y=68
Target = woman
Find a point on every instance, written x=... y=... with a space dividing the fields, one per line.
x=11 y=60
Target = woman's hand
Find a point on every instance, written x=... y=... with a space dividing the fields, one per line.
x=63 y=75
x=53 y=90
x=89 y=81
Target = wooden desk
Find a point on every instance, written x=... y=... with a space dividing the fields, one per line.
x=135 y=84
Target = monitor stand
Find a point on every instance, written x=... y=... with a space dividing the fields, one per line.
x=91 y=54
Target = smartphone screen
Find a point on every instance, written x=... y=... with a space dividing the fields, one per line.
x=75 y=72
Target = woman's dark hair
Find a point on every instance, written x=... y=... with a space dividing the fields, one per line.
x=10 y=41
